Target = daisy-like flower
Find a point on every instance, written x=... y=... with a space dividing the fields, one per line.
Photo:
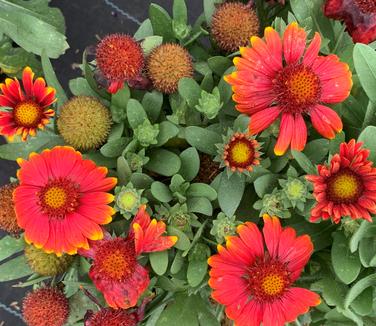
x=62 y=200
x=29 y=105
x=347 y=187
x=358 y=15
x=256 y=286
x=239 y=152
x=282 y=78
x=115 y=270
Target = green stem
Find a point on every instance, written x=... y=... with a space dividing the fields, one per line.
x=339 y=39
x=370 y=113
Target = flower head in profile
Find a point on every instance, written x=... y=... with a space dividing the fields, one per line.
x=358 y=15
x=62 y=200
x=115 y=270
x=256 y=284
x=282 y=77
x=120 y=59
x=27 y=106
x=345 y=187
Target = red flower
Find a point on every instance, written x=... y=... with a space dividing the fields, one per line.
x=281 y=77
x=358 y=15
x=62 y=199
x=111 y=317
x=28 y=108
x=256 y=286
x=115 y=270
x=347 y=187
x=119 y=58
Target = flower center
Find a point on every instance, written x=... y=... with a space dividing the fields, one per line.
x=297 y=88
x=127 y=200
x=344 y=187
x=240 y=152
x=116 y=259
x=27 y=114
x=366 y=6
x=59 y=197
x=268 y=280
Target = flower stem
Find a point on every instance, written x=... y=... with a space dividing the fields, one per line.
x=370 y=113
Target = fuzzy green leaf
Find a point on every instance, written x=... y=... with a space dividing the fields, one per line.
x=368 y=137
x=346 y=265
x=161 y=192
x=167 y=130
x=304 y=162
x=152 y=104
x=201 y=190
x=159 y=261
x=183 y=242
x=163 y=162
x=190 y=90
x=145 y=30
x=9 y=246
x=200 y=205
x=219 y=64
x=114 y=148
x=190 y=163
x=135 y=113
x=364 y=57
x=14 y=269
x=203 y=139
x=230 y=192
x=359 y=287
x=265 y=184
x=196 y=272
x=161 y=22
x=179 y=11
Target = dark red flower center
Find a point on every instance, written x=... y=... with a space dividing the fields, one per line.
x=59 y=197
x=116 y=259
x=344 y=187
x=366 y=6
x=119 y=57
x=268 y=280
x=240 y=152
x=27 y=114
x=112 y=317
x=297 y=88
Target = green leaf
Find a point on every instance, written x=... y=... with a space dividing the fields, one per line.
x=346 y=265
x=12 y=151
x=123 y=170
x=303 y=161
x=224 y=87
x=362 y=305
x=79 y=303
x=265 y=184
x=152 y=104
x=80 y=86
x=151 y=42
x=190 y=90
x=51 y=78
x=219 y=64
x=161 y=22
x=336 y=142
x=196 y=272
x=358 y=235
x=364 y=57
x=203 y=139
x=179 y=11
x=359 y=287
x=183 y=242
x=141 y=180
x=190 y=163
x=10 y=246
x=209 y=9
x=101 y=160
x=163 y=162
x=230 y=192
x=119 y=102
x=177 y=264
x=367 y=137
x=332 y=291
x=135 y=113
x=316 y=150
x=34 y=26
x=145 y=30
x=161 y=192
x=14 y=269
x=114 y=148
x=201 y=190
x=200 y=205
x=167 y=130
x=159 y=261
x=367 y=251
